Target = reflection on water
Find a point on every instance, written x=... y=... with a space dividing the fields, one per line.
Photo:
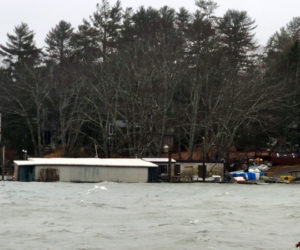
x=148 y=216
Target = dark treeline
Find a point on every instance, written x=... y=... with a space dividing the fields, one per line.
x=126 y=82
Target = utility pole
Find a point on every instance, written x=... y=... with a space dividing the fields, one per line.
x=0 y=128
x=203 y=159
x=167 y=149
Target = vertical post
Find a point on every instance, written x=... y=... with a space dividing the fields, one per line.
x=203 y=159
x=24 y=151
x=96 y=150
x=3 y=150
x=3 y=161
x=167 y=149
x=0 y=128
x=169 y=164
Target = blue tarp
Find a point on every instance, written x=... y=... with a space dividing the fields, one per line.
x=246 y=175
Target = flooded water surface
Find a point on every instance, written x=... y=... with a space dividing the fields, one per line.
x=148 y=216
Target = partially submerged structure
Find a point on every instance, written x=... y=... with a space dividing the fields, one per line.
x=85 y=170
x=196 y=171
x=165 y=169
x=187 y=171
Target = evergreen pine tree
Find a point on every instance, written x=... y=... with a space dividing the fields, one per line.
x=20 y=48
x=59 y=42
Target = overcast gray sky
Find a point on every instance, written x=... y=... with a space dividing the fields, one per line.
x=42 y=15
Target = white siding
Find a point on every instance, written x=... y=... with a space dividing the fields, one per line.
x=97 y=174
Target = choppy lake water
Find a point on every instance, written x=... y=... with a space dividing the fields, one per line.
x=148 y=216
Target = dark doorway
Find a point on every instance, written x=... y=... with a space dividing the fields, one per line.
x=152 y=175
x=202 y=171
x=26 y=173
x=177 y=170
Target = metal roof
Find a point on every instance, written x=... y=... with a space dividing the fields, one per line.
x=117 y=162
x=160 y=160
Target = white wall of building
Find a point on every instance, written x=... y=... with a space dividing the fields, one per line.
x=96 y=174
